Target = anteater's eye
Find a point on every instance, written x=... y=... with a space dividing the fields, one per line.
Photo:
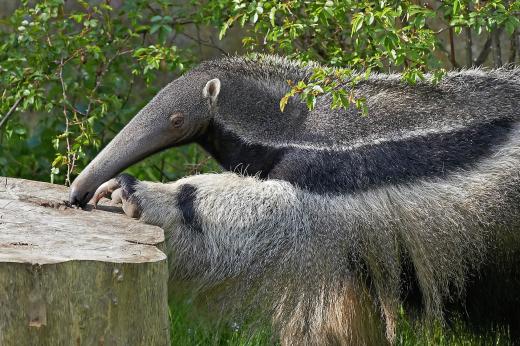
x=177 y=120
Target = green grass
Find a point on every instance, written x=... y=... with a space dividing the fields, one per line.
x=190 y=329
x=458 y=334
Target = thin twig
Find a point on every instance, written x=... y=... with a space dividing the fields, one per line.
x=128 y=93
x=449 y=27
x=71 y=158
x=205 y=43
x=100 y=75
x=10 y=112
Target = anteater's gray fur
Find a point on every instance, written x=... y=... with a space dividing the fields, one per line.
x=334 y=219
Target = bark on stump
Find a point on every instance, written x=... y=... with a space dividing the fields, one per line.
x=71 y=277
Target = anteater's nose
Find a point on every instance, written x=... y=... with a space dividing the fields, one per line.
x=78 y=196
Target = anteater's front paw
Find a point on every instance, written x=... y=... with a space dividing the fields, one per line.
x=121 y=189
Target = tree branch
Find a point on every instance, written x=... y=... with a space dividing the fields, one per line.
x=10 y=112
x=452 y=48
x=497 y=49
x=484 y=53
x=469 y=40
x=469 y=48
x=512 y=48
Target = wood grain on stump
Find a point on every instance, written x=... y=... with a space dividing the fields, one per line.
x=75 y=277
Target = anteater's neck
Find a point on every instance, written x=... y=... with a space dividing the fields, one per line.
x=235 y=154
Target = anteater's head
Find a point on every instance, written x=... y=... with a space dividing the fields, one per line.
x=177 y=115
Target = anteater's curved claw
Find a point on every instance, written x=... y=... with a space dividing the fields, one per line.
x=105 y=190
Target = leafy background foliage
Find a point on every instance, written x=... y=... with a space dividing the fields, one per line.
x=72 y=73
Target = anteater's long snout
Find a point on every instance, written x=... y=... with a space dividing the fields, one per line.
x=120 y=153
x=140 y=138
x=101 y=169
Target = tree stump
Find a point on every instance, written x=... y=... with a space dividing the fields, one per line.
x=71 y=277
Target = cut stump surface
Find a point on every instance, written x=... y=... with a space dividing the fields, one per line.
x=75 y=277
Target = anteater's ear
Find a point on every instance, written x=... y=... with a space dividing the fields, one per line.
x=211 y=90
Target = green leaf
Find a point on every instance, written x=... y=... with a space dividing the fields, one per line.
x=283 y=102
x=456 y=7
x=310 y=100
x=78 y=17
x=357 y=23
x=142 y=28
x=155 y=28
x=225 y=27
x=20 y=130
x=272 y=16
x=167 y=28
x=370 y=18
x=511 y=24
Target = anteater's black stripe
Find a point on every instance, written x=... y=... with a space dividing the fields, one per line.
x=186 y=203
x=127 y=184
x=366 y=167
